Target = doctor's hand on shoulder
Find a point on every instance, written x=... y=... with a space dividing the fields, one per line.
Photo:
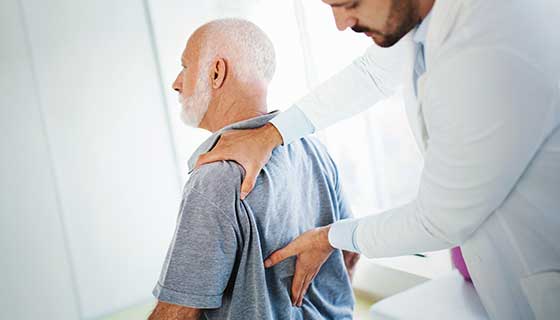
x=250 y=148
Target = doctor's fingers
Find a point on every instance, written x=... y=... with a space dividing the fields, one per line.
x=241 y=147
x=302 y=277
x=219 y=153
x=281 y=254
x=251 y=174
x=298 y=282
x=224 y=151
x=306 y=283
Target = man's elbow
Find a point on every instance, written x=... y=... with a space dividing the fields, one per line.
x=350 y=261
x=168 y=311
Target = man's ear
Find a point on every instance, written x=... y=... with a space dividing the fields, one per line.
x=219 y=73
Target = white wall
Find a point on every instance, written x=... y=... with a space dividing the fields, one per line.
x=90 y=185
x=34 y=266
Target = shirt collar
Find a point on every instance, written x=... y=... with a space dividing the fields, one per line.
x=209 y=143
x=422 y=30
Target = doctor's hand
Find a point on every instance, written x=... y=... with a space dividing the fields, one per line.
x=312 y=249
x=250 y=148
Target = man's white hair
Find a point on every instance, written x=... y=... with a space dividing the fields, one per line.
x=249 y=50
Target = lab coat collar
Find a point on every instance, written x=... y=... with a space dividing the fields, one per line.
x=421 y=32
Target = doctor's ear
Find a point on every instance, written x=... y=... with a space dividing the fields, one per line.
x=219 y=73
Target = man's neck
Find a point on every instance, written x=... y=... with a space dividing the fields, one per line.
x=229 y=110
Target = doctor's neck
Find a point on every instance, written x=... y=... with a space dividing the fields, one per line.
x=424 y=7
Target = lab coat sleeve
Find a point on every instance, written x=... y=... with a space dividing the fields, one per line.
x=367 y=80
x=292 y=124
x=486 y=112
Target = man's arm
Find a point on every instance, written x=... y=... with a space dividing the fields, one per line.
x=188 y=277
x=167 y=311
x=350 y=261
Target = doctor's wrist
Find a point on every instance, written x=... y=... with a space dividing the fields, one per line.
x=324 y=236
x=272 y=135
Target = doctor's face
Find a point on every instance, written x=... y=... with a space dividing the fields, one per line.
x=385 y=21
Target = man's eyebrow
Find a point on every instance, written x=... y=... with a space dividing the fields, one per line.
x=342 y=4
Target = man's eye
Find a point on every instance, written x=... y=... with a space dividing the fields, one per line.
x=352 y=5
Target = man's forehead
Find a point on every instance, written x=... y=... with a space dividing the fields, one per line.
x=184 y=56
x=187 y=50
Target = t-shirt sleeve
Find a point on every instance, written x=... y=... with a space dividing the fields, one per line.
x=343 y=205
x=344 y=209
x=201 y=256
x=341 y=232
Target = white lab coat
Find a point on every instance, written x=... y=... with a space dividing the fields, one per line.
x=487 y=119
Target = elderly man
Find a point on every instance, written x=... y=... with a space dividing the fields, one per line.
x=214 y=266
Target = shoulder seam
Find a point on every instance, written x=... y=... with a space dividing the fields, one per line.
x=214 y=205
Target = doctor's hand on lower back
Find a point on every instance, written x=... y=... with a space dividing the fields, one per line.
x=312 y=249
x=250 y=148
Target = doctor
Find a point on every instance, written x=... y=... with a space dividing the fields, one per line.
x=482 y=90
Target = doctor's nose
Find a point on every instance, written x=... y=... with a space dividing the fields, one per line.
x=342 y=19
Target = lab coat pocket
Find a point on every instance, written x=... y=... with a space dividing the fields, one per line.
x=542 y=291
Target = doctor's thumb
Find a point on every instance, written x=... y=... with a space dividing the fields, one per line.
x=248 y=183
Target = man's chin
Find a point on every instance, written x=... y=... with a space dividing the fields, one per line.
x=189 y=120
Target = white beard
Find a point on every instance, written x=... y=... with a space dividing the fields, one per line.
x=194 y=108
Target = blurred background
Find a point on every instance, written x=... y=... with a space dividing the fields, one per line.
x=94 y=153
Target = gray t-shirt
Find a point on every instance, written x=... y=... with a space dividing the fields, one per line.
x=215 y=260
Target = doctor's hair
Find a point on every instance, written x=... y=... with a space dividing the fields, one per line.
x=247 y=48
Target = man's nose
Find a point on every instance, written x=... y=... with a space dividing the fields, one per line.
x=342 y=19
x=177 y=84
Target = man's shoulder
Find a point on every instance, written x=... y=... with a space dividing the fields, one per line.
x=311 y=143
x=217 y=183
x=217 y=171
x=313 y=147
x=314 y=153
